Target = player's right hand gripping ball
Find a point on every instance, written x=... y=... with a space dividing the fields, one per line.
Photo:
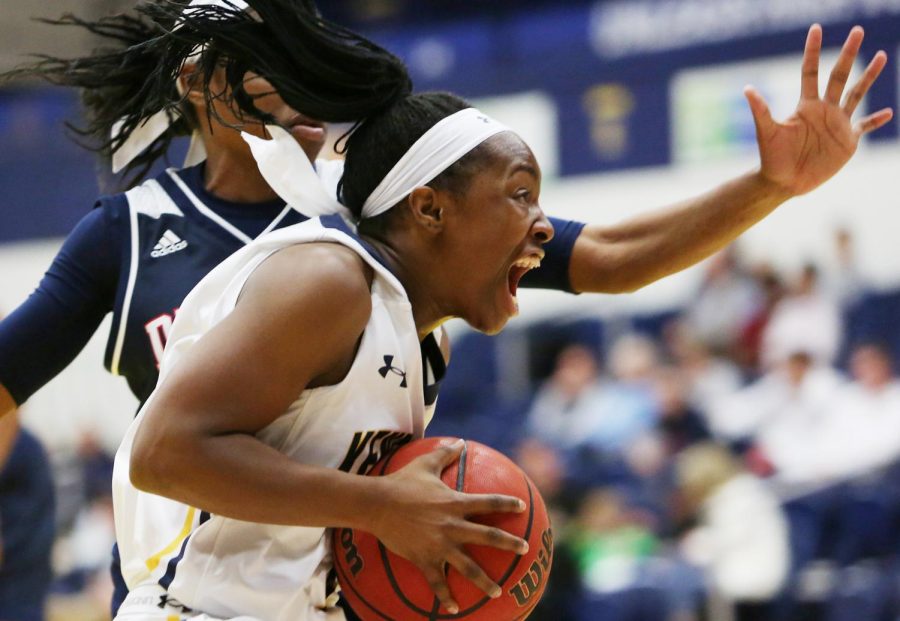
x=379 y=585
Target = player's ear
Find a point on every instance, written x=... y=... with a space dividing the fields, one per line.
x=426 y=208
x=190 y=82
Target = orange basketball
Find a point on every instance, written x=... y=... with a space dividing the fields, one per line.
x=381 y=586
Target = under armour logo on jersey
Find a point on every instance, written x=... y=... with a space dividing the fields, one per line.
x=170 y=602
x=168 y=244
x=390 y=368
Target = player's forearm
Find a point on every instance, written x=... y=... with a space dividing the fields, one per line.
x=9 y=425
x=639 y=251
x=239 y=477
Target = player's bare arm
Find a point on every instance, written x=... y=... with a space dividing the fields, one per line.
x=796 y=156
x=7 y=403
x=9 y=424
x=297 y=325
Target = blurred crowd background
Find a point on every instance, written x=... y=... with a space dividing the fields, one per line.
x=721 y=445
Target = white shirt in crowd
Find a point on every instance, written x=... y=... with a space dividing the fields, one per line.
x=804 y=323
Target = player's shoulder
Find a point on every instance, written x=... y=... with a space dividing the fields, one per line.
x=327 y=260
x=113 y=208
x=328 y=276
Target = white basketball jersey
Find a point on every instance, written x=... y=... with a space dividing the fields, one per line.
x=182 y=563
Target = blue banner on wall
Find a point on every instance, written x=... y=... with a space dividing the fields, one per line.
x=609 y=66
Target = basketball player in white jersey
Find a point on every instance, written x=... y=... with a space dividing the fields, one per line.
x=275 y=370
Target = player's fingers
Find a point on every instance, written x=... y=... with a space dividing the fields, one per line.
x=809 y=80
x=874 y=121
x=471 y=571
x=841 y=72
x=443 y=456
x=859 y=90
x=481 y=504
x=438 y=583
x=491 y=536
x=762 y=116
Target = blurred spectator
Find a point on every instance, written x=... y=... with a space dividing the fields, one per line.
x=847 y=283
x=742 y=537
x=726 y=301
x=806 y=320
x=546 y=467
x=633 y=360
x=708 y=378
x=577 y=407
x=784 y=413
x=629 y=410
x=566 y=398
x=864 y=433
x=610 y=542
x=748 y=350
x=82 y=552
x=26 y=531
x=679 y=424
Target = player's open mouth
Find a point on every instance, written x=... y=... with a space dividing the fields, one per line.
x=518 y=269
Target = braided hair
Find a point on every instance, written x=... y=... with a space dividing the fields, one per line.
x=321 y=69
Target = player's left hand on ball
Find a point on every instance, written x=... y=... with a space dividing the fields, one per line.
x=816 y=141
x=429 y=524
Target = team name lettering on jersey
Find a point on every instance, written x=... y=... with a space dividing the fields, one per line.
x=158 y=330
x=368 y=447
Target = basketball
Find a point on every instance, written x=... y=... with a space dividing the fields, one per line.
x=379 y=585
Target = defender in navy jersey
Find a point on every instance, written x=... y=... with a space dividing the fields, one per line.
x=172 y=232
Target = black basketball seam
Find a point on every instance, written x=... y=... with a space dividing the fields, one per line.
x=435 y=610
x=460 y=484
x=461 y=470
x=399 y=593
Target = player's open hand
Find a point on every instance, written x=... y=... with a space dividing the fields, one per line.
x=819 y=138
x=428 y=523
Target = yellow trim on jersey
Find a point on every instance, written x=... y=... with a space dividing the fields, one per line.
x=174 y=618
x=154 y=561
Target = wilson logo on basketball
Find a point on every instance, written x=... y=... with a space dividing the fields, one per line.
x=351 y=553
x=530 y=584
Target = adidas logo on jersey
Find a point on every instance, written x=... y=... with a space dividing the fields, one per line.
x=167 y=244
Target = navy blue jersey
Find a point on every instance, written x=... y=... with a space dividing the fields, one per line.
x=176 y=233
x=137 y=255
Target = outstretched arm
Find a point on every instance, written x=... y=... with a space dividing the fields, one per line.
x=796 y=156
x=9 y=425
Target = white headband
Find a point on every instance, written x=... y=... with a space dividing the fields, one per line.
x=289 y=172
x=433 y=153
x=155 y=125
